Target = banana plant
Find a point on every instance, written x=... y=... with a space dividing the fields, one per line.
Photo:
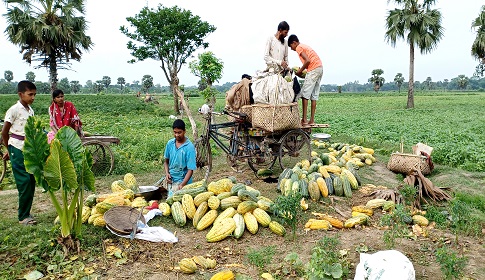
x=63 y=165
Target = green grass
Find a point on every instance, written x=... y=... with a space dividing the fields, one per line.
x=452 y=123
x=261 y=257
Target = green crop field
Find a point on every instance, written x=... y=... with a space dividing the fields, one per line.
x=452 y=123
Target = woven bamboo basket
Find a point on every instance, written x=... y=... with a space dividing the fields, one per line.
x=406 y=163
x=248 y=110
x=276 y=117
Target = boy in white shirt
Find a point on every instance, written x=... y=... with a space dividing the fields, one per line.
x=13 y=135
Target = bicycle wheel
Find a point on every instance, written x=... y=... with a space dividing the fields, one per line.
x=237 y=163
x=203 y=155
x=294 y=147
x=103 y=159
x=260 y=156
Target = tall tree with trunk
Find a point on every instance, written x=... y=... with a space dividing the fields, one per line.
x=146 y=83
x=98 y=86
x=106 y=81
x=209 y=69
x=30 y=76
x=8 y=75
x=462 y=81
x=75 y=86
x=428 y=82
x=65 y=85
x=376 y=79
x=171 y=36
x=420 y=25
x=51 y=32
x=399 y=80
x=478 y=46
x=121 y=82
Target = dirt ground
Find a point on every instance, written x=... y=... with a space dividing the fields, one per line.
x=148 y=260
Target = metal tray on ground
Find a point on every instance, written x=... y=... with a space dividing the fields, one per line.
x=151 y=193
x=321 y=136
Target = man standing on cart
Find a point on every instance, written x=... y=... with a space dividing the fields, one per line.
x=311 y=86
x=276 y=51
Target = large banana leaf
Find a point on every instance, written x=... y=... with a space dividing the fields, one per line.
x=86 y=179
x=59 y=169
x=71 y=143
x=36 y=150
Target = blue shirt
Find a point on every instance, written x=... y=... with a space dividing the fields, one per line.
x=180 y=160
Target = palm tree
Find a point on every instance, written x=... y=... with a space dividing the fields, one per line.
x=147 y=83
x=478 y=47
x=462 y=81
x=399 y=79
x=420 y=26
x=428 y=83
x=75 y=86
x=106 y=81
x=48 y=31
x=376 y=79
x=121 y=82
x=30 y=76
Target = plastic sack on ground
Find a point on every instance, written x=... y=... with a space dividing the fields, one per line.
x=382 y=265
x=153 y=234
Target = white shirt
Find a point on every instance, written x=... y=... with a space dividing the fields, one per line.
x=275 y=52
x=17 y=115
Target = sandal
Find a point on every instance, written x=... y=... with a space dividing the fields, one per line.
x=28 y=222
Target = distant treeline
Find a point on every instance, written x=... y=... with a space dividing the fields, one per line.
x=73 y=87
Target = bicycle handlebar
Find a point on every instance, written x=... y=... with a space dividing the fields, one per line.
x=225 y=112
x=236 y=114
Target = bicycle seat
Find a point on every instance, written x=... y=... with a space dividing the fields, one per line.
x=205 y=109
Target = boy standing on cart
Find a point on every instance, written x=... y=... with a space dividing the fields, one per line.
x=179 y=159
x=311 y=86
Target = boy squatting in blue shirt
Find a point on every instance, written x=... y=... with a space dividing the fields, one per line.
x=179 y=159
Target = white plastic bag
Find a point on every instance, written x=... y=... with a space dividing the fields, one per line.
x=154 y=234
x=383 y=265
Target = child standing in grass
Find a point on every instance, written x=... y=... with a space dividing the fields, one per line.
x=179 y=159
x=13 y=135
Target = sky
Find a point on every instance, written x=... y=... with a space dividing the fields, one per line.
x=348 y=35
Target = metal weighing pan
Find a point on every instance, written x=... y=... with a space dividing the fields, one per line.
x=151 y=193
x=321 y=136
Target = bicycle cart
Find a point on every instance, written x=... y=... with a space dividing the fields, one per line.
x=103 y=158
x=98 y=145
x=258 y=148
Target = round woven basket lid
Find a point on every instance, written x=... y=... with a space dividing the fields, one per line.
x=121 y=219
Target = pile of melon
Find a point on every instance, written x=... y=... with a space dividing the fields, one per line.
x=330 y=173
x=341 y=153
x=227 y=207
x=122 y=193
